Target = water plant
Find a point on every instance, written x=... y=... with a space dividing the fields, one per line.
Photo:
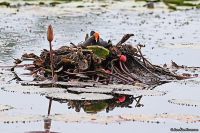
x=50 y=38
x=80 y=6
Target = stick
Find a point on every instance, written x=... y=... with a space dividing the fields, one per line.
x=124 y=76
x=138 y=102
x=120 y=63
x=50 y=101
x=142 y=56
x=124 y=39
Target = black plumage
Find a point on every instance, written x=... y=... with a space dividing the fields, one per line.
x=94 y=39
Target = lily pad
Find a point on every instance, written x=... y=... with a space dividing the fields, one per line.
x=181 y=45
x=46 y=82
x=5 y=107
x=83 y=96
x=73 y=117
x=186 y=102
x=184 y=82
x=32 y=89
x=141 y=92
x=92 y=118
x=106 y=120
x=157 y=118
x=19 y=118
x=92 y=90
x=120 y=86
x=77 y=84
x=99 y=51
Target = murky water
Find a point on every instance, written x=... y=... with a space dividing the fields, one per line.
x=27 y=34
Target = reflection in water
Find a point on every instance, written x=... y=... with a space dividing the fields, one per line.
x=49 y=110
x=94 y=106
x=47 y=124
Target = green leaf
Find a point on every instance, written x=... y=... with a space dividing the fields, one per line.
x=96 y=107
x=99 y=51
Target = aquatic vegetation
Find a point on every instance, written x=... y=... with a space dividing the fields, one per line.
x=54 y=3
x=32 y=89
x=141 y=92
x=104 y=5
x=41 y=3
x=179 y=2
x=5 y=3
x=99 y=51
x=45 y=82
x=50 y=38
x=119 y=86
x=106 y=120
x=73 y=117
x=91 y=118
x=91 y=89
x=158 y=118
x=80 y=6
x=172 y=7
x=198 y=6
x=77 y=84
x=96 y=107
x=82 y=96
x=181 y=45
x=19 y=118
x=5 y=107
x=186 y=102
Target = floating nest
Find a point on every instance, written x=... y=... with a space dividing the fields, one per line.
x=100 y=65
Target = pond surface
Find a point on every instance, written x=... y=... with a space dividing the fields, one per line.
x=26 y=33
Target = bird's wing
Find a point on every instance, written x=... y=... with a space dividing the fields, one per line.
x=102 y=42
x=87 y=42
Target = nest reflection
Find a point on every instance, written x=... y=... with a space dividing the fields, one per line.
x=94 y=106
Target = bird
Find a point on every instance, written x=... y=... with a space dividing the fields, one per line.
x=94 y=39
x=150 y=4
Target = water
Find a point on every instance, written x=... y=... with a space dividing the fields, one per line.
x=25 y=33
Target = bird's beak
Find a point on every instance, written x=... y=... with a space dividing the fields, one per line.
x=96 y=40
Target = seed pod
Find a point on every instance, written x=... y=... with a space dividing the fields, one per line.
x=50 y=33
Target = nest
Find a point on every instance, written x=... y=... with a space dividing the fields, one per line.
x=86 y=64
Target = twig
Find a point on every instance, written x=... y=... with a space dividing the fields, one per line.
x=124 y=39
x=96 y=72
x=73 y=44
x=145 y=67
x=97 y=79
x=120 y=64
x=124 y=76
x=138 y=102
x=141 y=55
x=118 y=71
x=111 y=72
x=126 y=68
